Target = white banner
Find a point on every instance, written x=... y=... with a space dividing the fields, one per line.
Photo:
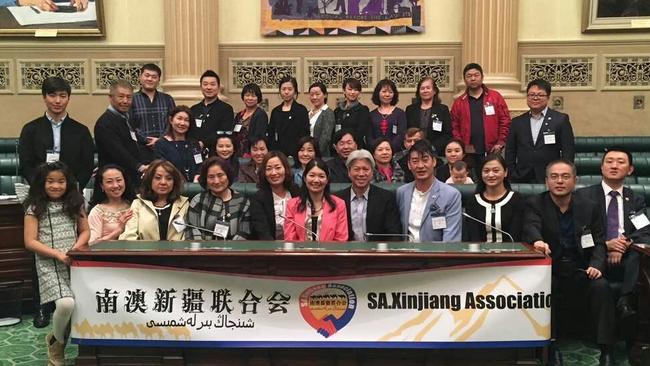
x=488 y=305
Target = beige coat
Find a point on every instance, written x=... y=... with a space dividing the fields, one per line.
x=144 y=223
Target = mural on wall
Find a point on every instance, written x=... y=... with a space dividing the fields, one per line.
x=616 y=16
x=52 y=19
x=341 y=17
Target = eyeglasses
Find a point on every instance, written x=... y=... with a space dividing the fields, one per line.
x=564 y=177
x=537 y=96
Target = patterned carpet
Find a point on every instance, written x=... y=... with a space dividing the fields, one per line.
x=24 y=345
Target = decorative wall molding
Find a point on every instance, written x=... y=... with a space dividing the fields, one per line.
x=265 y=72
x=331 y=71
x=406 y=72
x=106 y=71
x=6 y=71
x=626 y=72
x=33 y=72
x=564 y=72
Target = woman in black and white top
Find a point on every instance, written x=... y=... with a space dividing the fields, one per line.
x=494 y=203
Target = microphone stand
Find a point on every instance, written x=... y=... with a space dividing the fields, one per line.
x=491 y=226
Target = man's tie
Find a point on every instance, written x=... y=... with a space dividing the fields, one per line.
x=612 y=216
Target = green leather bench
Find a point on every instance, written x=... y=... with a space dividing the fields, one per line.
x=599 y=143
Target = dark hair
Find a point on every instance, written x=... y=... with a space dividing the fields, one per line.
x=378 y=142
x=38 y=199
x=380 y=85
x=301 y=142
x=99 y=196
x=55 y=84
x=253 y=89
x=422 y=147
x=210 y=74
x=561 y=161
x=455 y=141
x=169 y=131
x=304 y=192
x=288 y=79
x=471 y=66
x=262 y=183
x=233 y=160
x=618 y=149
x=436 y=97
x=209 y=163
x=338 y=135
x=151 y=67
x=147 y=193
x=458 y=165
x=320 y=86
x=540 y=83
x=353 y=83
x=254 y=140
x=480 y=185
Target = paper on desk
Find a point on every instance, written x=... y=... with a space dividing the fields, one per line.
x=25 y=15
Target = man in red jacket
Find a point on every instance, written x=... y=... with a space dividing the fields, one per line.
x=480 y=117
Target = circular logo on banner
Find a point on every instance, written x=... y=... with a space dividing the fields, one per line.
x=328 y=307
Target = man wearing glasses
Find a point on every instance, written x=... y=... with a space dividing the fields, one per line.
x=569 y=229
x=538 y=137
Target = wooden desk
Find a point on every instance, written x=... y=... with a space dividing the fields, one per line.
x=15 y=261
x=306 y=260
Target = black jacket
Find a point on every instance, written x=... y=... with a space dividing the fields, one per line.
x=286 y=128
x=437 y=138
x=216 y=116
x=382 y=216
x=115 y=145
x=542 y=223
x=355 y=119
x=338 y=170
x=77 y=148
x=632 y=204
x=263 y=213
x=527 y=162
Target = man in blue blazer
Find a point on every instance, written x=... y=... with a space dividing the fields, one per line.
x=430 y=210
x=537 y=137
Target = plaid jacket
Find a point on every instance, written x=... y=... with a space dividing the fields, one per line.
x=150 y=118
x=398 y=174
x=206 y=209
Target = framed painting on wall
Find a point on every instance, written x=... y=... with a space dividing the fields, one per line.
x=341 y=17
x=615 y=16
x=69 y=18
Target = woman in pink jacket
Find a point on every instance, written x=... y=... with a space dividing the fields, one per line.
x=316 y=215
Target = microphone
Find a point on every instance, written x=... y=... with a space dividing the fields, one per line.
x=408 y=237
x=180 y=225
x=309 y=232
x=486 y=224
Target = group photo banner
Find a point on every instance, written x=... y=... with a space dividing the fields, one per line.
x=449 y=307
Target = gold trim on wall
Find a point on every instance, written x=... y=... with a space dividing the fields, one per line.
x=331 y=71
x=128 y=69
x=564 y=72
x=407 y=71
x=32 y=72
x=626 y=72
x=265 y=72
x=7 y=76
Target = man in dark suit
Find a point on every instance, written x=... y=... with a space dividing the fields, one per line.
x=537 y=137
x=56 y=137
x=624 y=215
x=569 y=229
x=115 y=135
x=344 y=143
x=372 y=211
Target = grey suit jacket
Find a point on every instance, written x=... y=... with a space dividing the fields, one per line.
x=444 y=200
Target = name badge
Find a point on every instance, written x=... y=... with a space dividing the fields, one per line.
x=639 y=221
x=276 y=137
x=337 y=128
x=198 y=159
x=549 y=138
x=237 y=128
x=51 y=156
x=436 y=125
x=221 y=229
x=438 y=222
x=587 y=241
x=489 y=110
x=133 y=136
x=394 y=129
x=199 y=122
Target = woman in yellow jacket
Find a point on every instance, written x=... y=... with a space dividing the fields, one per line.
x=158 y=205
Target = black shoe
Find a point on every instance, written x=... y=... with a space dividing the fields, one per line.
x=41 y=318
x=607 y=358
x=624 y=308
x=554 y=356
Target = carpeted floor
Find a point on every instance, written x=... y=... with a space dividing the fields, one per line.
x=24 y=345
